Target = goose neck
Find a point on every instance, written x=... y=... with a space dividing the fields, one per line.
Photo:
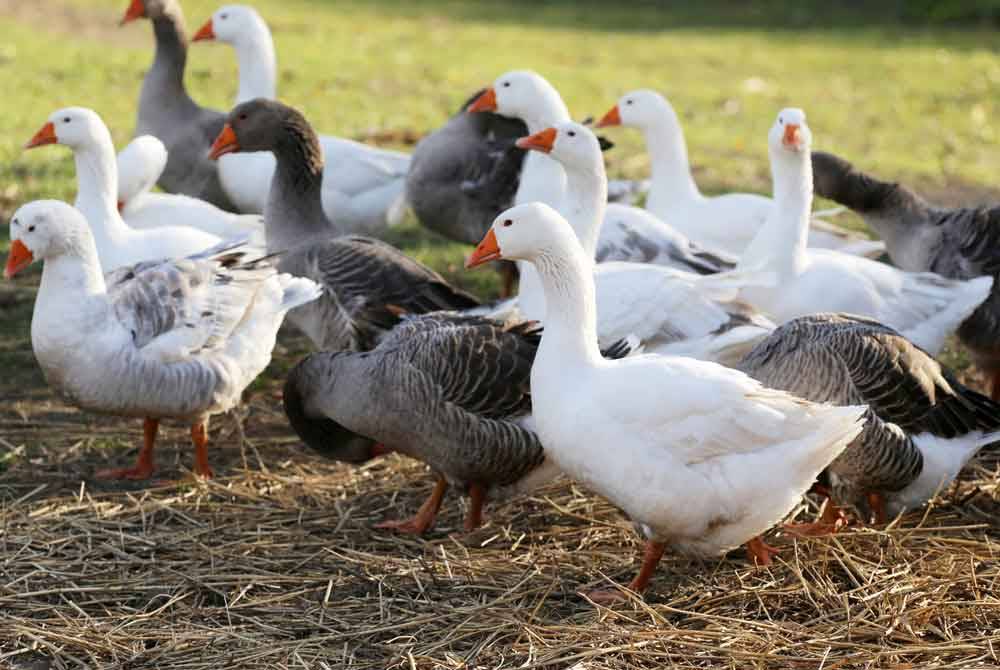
x=585 y=203
x=294 y=211
x=97 y=188
x=784 y=236
x=257 y=65
x=670 y=173
x=170 y=58
x=570 y=306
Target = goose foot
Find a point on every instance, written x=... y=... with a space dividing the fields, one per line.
x=651 y=556
x=759 y=552
x=424 y=518
x=831 y=521
x=143 y=468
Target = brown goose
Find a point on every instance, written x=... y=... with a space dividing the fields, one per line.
x=367 y=283
x=447 y=389
x=921 y=427
x=167 y=112
x=958 y=243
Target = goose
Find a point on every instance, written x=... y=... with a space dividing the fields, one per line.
x=629 y=233
x=924 y=307
x=83 y=131
x=175 y=339
x=725 y=222
x=143 y=159
x=701 y=457
x=422 y=392
x=957 y=243
x=363 y=189
x=669 y=310
x=922 y=425
x=167 y=112
x=367 y=283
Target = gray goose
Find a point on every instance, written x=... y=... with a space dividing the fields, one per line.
x=367 y=283
x=922 y=425
x=448 y=389
x=957 y=243
x=167 y=112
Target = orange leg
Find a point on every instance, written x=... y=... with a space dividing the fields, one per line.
x=760 y=552
x=650 y=558
x=474 y=519
x=143 y=467
x=832 y=520
x=424 y=518
x=199 y=436
x=876 y=501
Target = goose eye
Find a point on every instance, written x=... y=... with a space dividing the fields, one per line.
x=223 y=16
x=31 y=228
x=507 y=223
x=628 y=102
x=572 y=133
x=15 y=222
x=66 y=119
x=781 y=121
x=506 y=84
x=243 y=116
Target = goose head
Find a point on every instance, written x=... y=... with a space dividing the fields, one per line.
x=230 y=24
x=790 y=136
x=521 y=94
x=574 y=145
x=259 y=125
x=642 y=109
x=43 y=229
x=75 y=127
x=524 y=233
x=148 y=9
x=140 y=164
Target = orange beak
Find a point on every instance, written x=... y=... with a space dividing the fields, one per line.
x=20 y=257
x=205 y=32
x=488 y=250
x=791 y=138
x=612 y=118
x=541 y=141
x=225 y=143
x=47 y=135
x=486 y=102
x=136 y=10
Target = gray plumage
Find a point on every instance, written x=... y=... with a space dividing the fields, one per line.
x=465 y=173
x=367 y=283
x=956 y=243
x=167 y=112
x=850 y=360
x=445 y=389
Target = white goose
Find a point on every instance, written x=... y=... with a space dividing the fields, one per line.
x=363 y=186
x=84 y=132
x=923 y=306
x=140 y=164
x=726 y=222
x=669 y=310
x=168 y=339
x=629 y=233
x=701 y=457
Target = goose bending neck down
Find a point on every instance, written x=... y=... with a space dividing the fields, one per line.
x=652 y=433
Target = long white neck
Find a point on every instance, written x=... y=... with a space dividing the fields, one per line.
x=567 y=279
x=97 y=188
x=781 y=242
x=70 y=278
x=670 y=176
x=585 y=202
x=257 y=63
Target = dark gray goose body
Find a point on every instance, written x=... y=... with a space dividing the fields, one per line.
x=446 y=389
x=922 y=424
x=957 y=243
x=367 y=283
x=167 y=112
x=465 y=173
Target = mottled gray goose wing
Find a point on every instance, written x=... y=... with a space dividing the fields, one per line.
x=969 y=244
x=173 y=308
x=480 y=365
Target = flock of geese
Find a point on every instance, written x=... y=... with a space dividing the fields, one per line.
x=701 y=362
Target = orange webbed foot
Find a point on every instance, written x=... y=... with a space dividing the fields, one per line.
x=412 y=526
x=135 y=473
x=759 y=552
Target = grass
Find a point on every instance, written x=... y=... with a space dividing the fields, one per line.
x=275 y=564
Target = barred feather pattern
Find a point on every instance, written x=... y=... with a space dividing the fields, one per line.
x=849 y=360
x=956 y=243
